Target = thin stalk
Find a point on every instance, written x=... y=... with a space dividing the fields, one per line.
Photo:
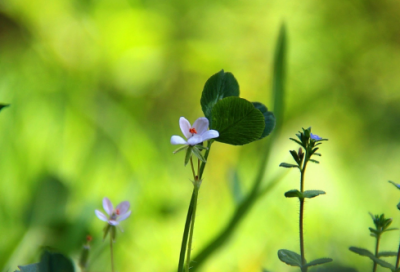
x=185 y=234
x=301 y=218
x=189 y=249
x=112 y=253
x=376 y=252
x=190 y=215
x=398 y=258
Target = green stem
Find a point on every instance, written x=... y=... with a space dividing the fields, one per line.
x=190 y=215
x=185 y=234
x=112 y=253
x=189 y=249
x=302 y=252
x=376 y=252
x=398 y=258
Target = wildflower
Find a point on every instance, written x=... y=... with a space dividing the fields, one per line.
x=195 y=134
x=120 y=213
x=315 y=137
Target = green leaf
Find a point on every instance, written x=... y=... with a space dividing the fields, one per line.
x=319 y=262
x=198 y=154
x=367 y=253
x=217 y=87
x=269 y=119
x=294 y=140
x=387 y=254
x=2 y=106
x=314 y=161
x=288 y=165
x=55 y=262
x=294 y=193
x=361 y=251
x=278 y=79
x=28 y=268
x=313 y=193
x=180 y=149
x=289 y=257
x=237 y=121
x=188 y=154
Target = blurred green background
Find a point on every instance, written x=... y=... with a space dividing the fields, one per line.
x=96 y=89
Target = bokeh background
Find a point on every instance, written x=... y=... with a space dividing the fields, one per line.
x=96 y=89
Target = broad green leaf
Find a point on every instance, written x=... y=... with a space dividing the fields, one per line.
x=28 y=268
x=319 y=261
x=294 y=193
x=55 y=262
x=313 y=193
x=387 y=254
x=269 y=119
x=289 y=257
x=288 y=165
x=217 y=87
x=237 y=121
x=278 y=79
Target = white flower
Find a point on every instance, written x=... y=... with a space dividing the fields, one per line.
x=195 y=134
x=120 y=213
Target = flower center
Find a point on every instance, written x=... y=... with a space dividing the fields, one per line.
x=117 y=211
x=192 y=130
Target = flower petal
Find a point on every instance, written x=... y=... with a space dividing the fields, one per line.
x=113 y=222
x=175 y=140
x=108 y=206
x=210 y=134
x=101 y=215
x=123 y=207
x=201 y=125
x=185 y=126
x=196 y=139
x=124 y=216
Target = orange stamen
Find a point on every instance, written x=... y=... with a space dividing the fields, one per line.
x=192 y=130
x=117 y=211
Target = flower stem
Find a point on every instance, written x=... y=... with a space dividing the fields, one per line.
x=189 y=249
x=302 y=252
x=376 y=252
x=189 y=224
x=185 y=235
x=112 y=254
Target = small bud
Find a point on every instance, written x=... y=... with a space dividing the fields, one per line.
x=83 y=260
x=300 y=154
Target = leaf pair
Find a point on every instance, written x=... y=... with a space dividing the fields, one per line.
x=369 y=254
x=305 y=194
x=294 y=259
x=237 y=120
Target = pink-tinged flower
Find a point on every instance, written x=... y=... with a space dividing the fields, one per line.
x=195 y=134
x=121 y=212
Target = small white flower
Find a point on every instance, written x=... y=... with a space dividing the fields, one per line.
x=195 y=134
x=120 y=213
